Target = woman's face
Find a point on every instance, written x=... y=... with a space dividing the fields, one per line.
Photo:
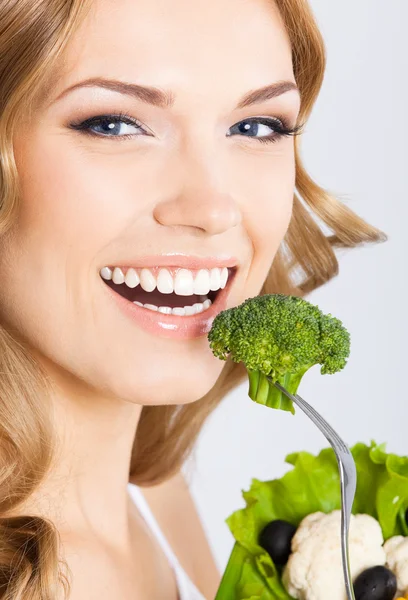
x=196 y=177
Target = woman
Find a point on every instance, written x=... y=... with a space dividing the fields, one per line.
x=149 y=152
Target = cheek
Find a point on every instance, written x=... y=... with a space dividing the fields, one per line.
x=68 y=213
x=74 y=204
x=73 y=195
x=268 y=210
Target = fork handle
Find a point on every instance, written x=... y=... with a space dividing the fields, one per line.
x=348 y=478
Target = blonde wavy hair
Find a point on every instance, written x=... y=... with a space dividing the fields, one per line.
x=33 y=36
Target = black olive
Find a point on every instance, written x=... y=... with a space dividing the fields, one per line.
x=276 y=539
x=376 y=583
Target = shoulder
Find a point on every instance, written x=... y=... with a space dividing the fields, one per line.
x=174 y=508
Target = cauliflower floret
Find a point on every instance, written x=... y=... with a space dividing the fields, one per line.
x=396 y=550
x=314 y=570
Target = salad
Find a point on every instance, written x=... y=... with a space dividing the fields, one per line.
x=287 y=538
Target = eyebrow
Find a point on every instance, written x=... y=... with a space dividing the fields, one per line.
x=164 y=99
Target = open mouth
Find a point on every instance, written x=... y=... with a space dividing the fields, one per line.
x=190 y=293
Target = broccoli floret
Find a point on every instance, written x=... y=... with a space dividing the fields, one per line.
x=279 y=337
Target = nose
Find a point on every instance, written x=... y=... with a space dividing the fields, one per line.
x=199 y=198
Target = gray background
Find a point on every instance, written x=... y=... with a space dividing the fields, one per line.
x=355 y=146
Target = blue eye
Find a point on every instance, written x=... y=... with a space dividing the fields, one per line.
x=115 y=127
x=270 y=130
x=111 y=126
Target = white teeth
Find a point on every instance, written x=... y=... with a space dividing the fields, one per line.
x=165 y=283
x=151 y=306
x=118 y=276
x=132 y=278
x=215 y=279
x=147 y=280
x=178 y=310
x=106 y=273
x=202 y=282
x=184 y=283
x=166 y=310
x=224 y=277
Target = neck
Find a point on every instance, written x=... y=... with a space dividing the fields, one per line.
x=86 y=489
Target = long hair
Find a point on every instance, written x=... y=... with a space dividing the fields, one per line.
x=33 y=36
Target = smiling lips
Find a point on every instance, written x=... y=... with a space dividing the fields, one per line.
x=160 y=289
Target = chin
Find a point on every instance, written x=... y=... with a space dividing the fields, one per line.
x=155 y=386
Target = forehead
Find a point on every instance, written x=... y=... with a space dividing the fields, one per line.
x=185 y=44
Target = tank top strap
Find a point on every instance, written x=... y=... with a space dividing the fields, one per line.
x=151 y=521
x=186 y=588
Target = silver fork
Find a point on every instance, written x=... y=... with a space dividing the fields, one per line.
x=348 y=478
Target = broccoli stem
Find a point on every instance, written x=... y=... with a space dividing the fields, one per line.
x=261 y=390
x=232 y=574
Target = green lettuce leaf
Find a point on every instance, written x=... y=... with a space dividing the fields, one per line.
x=312 y=485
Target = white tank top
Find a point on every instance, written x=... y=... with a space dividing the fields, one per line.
x=186 y=588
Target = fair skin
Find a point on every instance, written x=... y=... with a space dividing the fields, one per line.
x=87 y=202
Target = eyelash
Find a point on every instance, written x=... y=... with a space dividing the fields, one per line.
x=280 y=127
